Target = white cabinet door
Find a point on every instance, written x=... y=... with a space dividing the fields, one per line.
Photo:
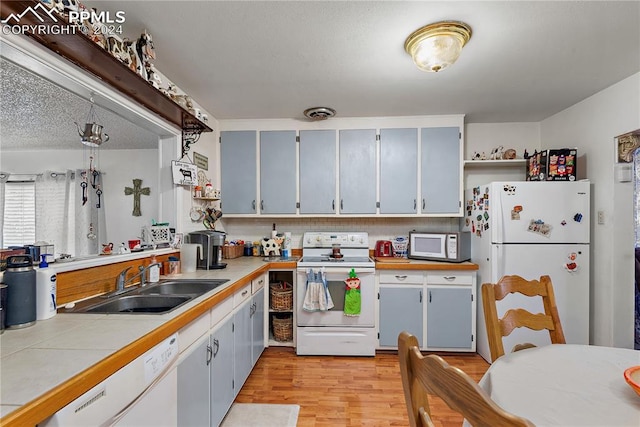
x=317 y=171
x=277 y=172
x=398 y=171
x=440 y=169
x=358 y=171
x=238 y=171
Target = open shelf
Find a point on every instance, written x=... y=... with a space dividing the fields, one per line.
x=86 y=54
x=494 y=163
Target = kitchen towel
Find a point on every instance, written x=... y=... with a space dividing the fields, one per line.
x=352 y=297
x=317 y=297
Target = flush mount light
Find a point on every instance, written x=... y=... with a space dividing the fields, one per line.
x=319 y=113
x=436 y=46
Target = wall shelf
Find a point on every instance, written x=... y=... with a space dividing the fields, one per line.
x=206 y=199
x=86 y=54
x=494 y=163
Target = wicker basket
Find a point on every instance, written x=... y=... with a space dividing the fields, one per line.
x=232 y=251
x=281 y=296
x=283 y=327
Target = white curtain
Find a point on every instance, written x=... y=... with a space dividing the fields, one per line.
x=63 y=219
x=91 y=224
x=54 y=217
x=3 y=180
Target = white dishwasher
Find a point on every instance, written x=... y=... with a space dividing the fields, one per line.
x=142 y=393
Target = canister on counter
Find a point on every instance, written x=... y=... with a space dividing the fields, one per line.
x=257 y=249
x=248 y=249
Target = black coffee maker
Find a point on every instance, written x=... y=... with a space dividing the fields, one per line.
x=212 y=242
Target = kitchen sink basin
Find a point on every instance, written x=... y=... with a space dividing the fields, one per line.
x=182 y=287
x=157 y=298
x=140 y=304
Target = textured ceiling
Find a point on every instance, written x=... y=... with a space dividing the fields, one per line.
x=526 y=60
x=37 y=114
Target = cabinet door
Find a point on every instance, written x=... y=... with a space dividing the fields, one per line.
x=221 y=370
x=242 y=345
x=441 y=170
x=238 y=171
x=449 y=323
x=400 y=310
x=257 y=332
x=277 y=172
x=193 y=386
x=358 y=171
x=317 y=171
x=398 y=171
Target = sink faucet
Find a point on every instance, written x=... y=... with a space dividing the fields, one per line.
x=122 y=281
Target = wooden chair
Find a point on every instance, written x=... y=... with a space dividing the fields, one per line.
x=431 y=374
x=516 y=318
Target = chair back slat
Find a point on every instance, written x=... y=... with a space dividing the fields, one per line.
x=497 y=328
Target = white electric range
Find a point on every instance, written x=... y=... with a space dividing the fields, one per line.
x=330 y=331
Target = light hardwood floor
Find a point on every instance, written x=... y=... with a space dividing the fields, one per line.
x=344 y=391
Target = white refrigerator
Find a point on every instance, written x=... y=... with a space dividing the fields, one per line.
x=532 y=229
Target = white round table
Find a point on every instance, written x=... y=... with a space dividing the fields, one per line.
x=566 y=385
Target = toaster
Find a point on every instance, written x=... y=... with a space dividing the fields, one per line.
x=384 y=248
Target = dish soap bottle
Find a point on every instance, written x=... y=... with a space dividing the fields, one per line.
x=154 y=271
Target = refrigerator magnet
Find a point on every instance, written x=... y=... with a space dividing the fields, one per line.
x=577 y=217
x=486 y=215
x=515 y=216
x=563 y=222
x=571 y=267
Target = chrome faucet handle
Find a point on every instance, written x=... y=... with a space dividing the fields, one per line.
x=120 y=280
x=142 y=269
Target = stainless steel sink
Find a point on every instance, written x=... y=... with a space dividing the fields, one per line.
x=158 y=298
x=140 y=304
x=182 y=287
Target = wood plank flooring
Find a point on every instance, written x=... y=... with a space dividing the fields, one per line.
x=344 y=391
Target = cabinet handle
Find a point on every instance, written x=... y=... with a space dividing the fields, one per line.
x=333 y=205
x=216 y=345
x=415 y=204
x=253 y=204
x=429 y=296
x=400 y=277
x=261 y=205
x=449 y=277
x=341 y=204
x=209 y=354
x=420 y=296
x=245 y=292
x=422 y=203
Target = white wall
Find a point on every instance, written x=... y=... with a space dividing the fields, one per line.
x=483 y=137
x=592 y=125
x=120 y=167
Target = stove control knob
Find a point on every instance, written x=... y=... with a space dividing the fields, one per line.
x=318 y=239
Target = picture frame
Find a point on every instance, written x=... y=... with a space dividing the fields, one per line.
x=184 y=173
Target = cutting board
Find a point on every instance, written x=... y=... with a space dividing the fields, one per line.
x=392 y=260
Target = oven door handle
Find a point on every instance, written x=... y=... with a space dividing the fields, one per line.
x=343 y=270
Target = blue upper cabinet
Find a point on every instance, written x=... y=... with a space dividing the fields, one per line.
x=317 y=171
x=398 y=171
x=278 y=172
x=238 y=171
x=440 y=168
x=358 y=171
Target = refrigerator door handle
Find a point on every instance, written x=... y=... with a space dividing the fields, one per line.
x=497 y=218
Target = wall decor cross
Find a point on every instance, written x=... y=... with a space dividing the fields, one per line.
x=137 y=190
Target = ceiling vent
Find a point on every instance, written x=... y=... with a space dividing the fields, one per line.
x=319 y=113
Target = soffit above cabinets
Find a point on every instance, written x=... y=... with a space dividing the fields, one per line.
x=87 y=55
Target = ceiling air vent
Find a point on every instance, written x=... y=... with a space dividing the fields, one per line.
x=319 y=113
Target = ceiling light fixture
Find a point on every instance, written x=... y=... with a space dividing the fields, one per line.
x=319 y=113
x=436 y=46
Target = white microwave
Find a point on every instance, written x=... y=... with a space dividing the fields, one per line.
x=436 y=246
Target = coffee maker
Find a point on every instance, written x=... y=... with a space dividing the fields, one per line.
x=211 y=242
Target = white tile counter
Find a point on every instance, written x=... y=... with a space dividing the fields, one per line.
x=37 y=359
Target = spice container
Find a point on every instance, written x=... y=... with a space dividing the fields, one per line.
x=257 y=248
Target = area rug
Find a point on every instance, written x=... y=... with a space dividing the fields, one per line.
x=261 y=415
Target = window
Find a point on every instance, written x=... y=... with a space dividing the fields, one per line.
x=19 y=221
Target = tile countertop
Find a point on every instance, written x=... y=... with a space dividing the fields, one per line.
x=48 y=365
